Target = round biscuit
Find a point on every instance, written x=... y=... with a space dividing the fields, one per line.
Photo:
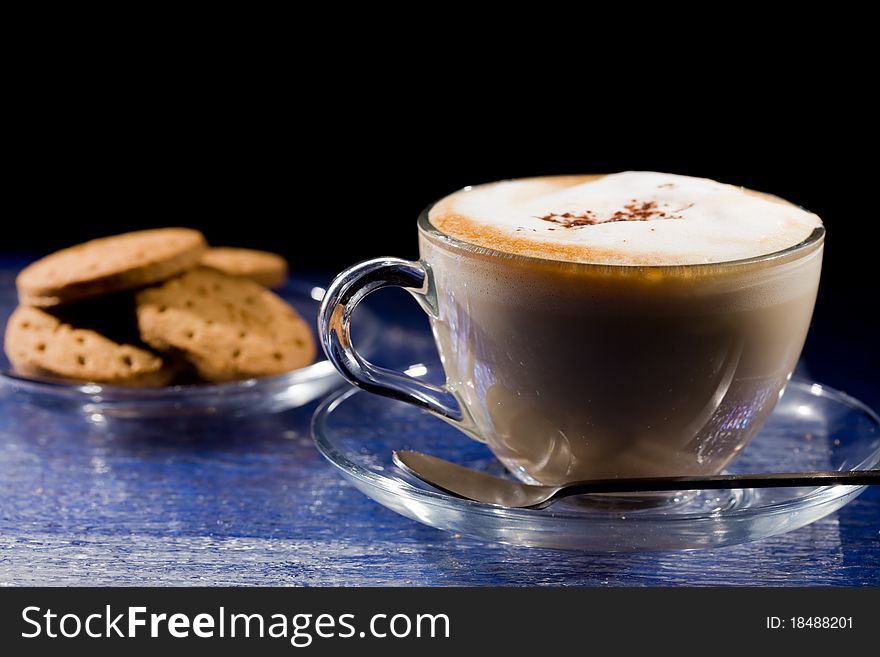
x=40 y=345
x=262 y=267
x=109 y=264
x=228 y=328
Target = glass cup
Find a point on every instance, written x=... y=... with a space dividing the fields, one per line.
x=572 y=371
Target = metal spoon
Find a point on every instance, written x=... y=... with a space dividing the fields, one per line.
x=481 y=487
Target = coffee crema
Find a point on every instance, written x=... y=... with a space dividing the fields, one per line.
x=632 y=218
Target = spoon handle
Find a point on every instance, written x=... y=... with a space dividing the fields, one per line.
x=721 y=482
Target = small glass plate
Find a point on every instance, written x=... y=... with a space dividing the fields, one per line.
x=812 y=428
x=270 y=394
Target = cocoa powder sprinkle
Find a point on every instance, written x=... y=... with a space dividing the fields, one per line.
x=634 y=211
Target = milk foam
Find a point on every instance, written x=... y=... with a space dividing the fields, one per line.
x=631 y=218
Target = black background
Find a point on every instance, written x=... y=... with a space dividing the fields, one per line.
x=328 y=190
x=331 y=164
x=331 y=174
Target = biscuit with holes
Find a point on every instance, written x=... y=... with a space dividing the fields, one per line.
x=39 y=344
x=109 y=264
x=262 y=267
x=227 y=328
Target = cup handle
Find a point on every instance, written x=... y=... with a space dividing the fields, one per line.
x=342 y=297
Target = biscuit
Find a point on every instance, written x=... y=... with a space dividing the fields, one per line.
x=109 y=264
x=41 y=345
x=261 y=267
x=228 y=328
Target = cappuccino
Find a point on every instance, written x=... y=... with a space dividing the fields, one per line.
x=630 y=325
x=641 y=335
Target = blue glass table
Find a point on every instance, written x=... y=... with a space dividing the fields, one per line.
x=249 y=501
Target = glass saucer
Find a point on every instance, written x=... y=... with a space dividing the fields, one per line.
x=812 y=428
x=270 y=394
